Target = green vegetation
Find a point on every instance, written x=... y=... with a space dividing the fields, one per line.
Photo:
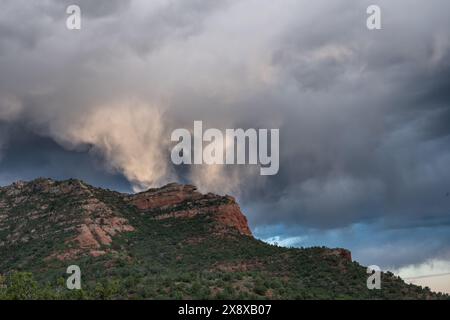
x=172 y=258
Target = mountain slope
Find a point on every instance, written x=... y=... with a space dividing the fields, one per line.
x=170 y=242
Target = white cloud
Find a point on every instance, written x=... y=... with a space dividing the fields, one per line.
x=433 y=273
x=286 y=242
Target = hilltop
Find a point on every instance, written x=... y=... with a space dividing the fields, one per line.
x=165 y=243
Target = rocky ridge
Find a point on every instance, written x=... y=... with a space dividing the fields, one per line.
x=96 y=223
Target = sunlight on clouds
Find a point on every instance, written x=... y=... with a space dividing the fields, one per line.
x=128 y=135
x=438 y=270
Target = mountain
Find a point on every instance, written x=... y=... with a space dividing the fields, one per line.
x=171 y=242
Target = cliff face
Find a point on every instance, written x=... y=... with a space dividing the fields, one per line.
x=184 y=201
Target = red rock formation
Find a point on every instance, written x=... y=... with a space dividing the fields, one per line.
x=86 y=238
x=96 y=232
x=184 y=201
x=231 y=215
x=168 y=195
x=346 y=254
x=343 y=253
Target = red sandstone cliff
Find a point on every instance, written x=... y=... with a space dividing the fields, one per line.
x=184 y=201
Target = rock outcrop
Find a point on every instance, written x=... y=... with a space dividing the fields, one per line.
x=343 y=254
x=184 y=201
x=166 y=196
x=47 y=209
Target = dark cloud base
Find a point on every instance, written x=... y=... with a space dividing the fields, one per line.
x=28 y=156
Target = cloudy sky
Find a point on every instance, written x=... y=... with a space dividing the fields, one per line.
x=364 y=116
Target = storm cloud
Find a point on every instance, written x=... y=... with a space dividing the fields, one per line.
x=364 y=116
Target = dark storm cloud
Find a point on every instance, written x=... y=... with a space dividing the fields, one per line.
x=372 y=135
x=363 y=115
x=29 y=156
